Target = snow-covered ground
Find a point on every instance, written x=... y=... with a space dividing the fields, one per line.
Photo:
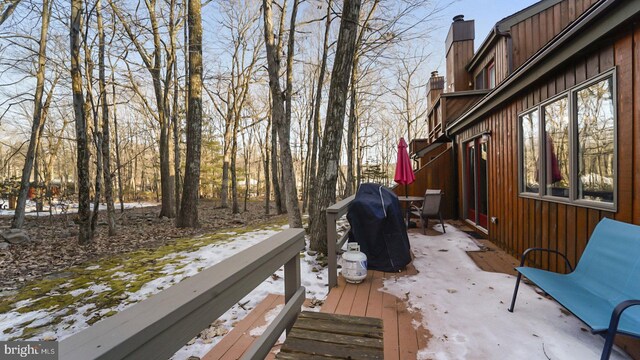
x=64 y=207
x=465 y=309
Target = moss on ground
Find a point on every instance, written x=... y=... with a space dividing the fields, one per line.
x=142 y=266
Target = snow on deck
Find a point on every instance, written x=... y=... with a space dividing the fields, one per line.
x=465 y=309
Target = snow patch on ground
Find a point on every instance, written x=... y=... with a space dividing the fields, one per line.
x=65 y=208
x=465 y=309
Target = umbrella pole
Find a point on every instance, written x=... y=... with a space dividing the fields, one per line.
x=406 y=194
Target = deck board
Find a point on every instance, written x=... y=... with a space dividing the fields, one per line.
x=361 y=299
x=390 y=320
x=238 y=340
x=374 y=305
x=346 y=300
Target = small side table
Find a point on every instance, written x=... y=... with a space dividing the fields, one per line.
x=407 y=200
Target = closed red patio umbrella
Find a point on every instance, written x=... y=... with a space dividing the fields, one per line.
x=404 y=172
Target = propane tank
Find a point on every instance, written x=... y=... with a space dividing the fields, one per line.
x=354 y=264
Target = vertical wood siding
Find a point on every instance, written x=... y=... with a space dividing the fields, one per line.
x=525 y=222
x=435 y=174
x=532 y=34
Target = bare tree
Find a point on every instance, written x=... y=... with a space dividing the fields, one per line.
x=280 y=121
x=189 y=210
x=315 y=143
x=153 y=63
x=106 y=149
x=7 y=8
x=82 y=157
x=409 y=93
x=38 y=119
x=332 y=137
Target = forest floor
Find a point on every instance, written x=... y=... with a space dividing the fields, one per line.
x=54 y=248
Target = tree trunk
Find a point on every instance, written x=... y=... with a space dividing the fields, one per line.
x=316 y=113
x=117 y=142
x=280 y=121
x=106 y=146
x=306 y=179
x=235 y=208
x=175 y=121
x=38 y=121
x=82 y=158
x=332 y=138
x=226 y=157
x=351 y=131
x=190 y=193
x=275 y=178
x=267 y=182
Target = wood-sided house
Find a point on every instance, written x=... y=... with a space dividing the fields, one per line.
x=536 y=136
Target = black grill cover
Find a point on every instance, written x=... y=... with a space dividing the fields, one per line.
x=377 y=224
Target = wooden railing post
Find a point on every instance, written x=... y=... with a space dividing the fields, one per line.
x=291 y=277
x=332 y=237
x=333 y=213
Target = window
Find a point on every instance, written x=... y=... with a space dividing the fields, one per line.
x=486 y=78
x=567 y=146
x=596 y=135
x=529 y=126
x=491 y=75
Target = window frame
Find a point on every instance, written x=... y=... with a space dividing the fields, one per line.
x=571 y=95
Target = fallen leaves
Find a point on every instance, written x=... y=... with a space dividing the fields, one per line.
x=54 y=246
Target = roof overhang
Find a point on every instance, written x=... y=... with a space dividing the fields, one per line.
x=422 y=152
x=572 y=40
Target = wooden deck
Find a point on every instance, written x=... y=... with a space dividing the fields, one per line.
x=401 y=340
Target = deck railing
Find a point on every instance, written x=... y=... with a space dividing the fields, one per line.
x=335 y=212
x=159 y=326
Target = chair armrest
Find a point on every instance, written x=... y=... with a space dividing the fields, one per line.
x=413 y=207
x=618 y=310
x=529 y=250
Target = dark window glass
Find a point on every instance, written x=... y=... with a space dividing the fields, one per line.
x=480 y=81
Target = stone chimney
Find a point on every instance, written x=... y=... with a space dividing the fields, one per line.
x=459 y=47
x=435 y=86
